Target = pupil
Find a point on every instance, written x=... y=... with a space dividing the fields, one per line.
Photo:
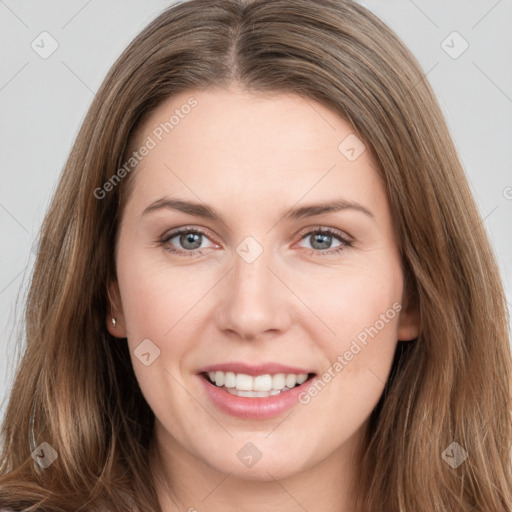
x=323 y=239
x=191 y=238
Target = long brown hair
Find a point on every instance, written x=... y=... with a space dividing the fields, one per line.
x=450 y=385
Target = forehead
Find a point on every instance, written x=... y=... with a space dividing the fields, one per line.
x=276 y=120
x=235 y=141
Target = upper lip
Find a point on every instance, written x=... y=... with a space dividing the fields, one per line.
x=257 y=369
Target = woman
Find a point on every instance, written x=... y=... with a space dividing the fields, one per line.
x=186 y=350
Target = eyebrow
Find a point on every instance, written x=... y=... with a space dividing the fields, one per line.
x=206 y=212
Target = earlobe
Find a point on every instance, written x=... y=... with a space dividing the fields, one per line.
x=408 y=324
x=115 y=318
x=409 y=321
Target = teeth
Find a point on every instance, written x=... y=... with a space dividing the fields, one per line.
x=259 y=394
x=279 y=381
x=229 y=380
x=259 y=384
x=244 y=382
x=219 y=378
x=291 y=380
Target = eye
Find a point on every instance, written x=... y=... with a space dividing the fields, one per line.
x=189 y=241
x=321 y=240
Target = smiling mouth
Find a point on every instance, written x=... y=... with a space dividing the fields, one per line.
x=261 y=386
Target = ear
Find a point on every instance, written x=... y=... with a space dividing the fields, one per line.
x=409 y=320
x=408 y=326
x=115 y=310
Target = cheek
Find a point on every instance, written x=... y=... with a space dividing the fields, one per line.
x=362 y=309
x=155 y=303
x=353 y=298
x=155 y=297
x=368 y=310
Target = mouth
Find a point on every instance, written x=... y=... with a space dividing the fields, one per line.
x=258 y=386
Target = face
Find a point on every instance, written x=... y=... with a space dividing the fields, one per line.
x=254 y=281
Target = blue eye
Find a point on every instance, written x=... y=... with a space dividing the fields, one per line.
x=323 y=237
x=191 y=240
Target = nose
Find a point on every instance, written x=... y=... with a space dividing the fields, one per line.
x=253 y=301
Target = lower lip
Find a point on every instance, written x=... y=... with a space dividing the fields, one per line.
x=254 y=408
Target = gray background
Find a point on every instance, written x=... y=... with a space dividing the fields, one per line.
x=43 y=102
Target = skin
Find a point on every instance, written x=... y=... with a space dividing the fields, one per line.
x=251 y=157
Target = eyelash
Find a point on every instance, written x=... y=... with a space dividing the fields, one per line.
x=345 y=241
